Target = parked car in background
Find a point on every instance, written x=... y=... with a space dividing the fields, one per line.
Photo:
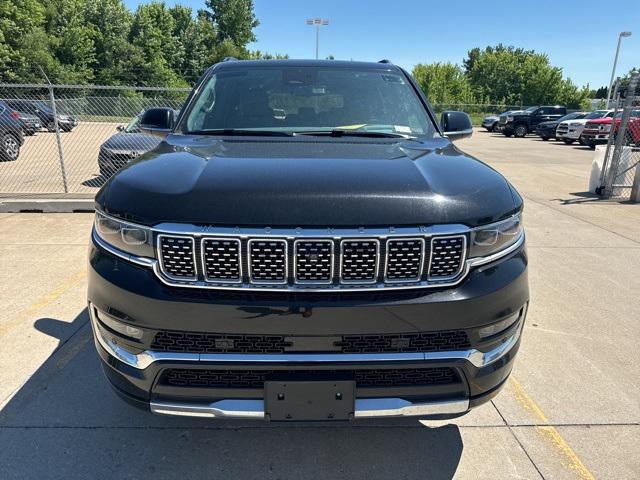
x=491 y=122
x=45 y=113
x=522 y=122
x=30 y=123
x=123 y=147
x=571 y=130
x=632 y=133
x=547 y=130
x=596 y=132
x=11 y=134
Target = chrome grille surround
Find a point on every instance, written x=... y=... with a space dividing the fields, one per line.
x=400 y=260
x=226 y=263
x=245 y=234
x=359 y=258
x=176 y=266
x=322 y=267
x=447 y=256
x=268 y=261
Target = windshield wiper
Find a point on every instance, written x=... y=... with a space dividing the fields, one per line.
x=241 y=132
x=336 y=132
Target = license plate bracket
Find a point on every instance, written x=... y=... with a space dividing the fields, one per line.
x=309 y=401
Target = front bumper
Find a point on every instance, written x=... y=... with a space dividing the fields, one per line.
x=137 y=372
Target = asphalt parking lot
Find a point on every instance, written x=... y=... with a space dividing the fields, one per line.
x=571 y=409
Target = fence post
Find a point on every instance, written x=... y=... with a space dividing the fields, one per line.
x=52 y=98
x=620 y=140
x=635 y=189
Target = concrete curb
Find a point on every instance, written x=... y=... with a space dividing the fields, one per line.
x=47 y=205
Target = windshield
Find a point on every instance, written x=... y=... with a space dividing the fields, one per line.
x=308 y=99
x=44 y=107
x=596 y=114
x=572 y=116
x=531 y=109
x=634 y=113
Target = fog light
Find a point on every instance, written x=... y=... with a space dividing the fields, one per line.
x=116 y=325
x=498 y=327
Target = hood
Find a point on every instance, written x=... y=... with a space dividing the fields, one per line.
x=307 y=181
x=131 y=142
x=550 y=123
x=578 y=121
x=600 y=121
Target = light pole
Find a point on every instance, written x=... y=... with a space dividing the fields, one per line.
x=615 y=62
x=317 y=22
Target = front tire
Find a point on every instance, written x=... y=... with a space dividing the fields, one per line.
x=9 y=148
x=568 y=141
x=520 y=131
x=544 y=139
x=51 y=126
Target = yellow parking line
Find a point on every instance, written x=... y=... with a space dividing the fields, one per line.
x=41 y=303
x=549 y=432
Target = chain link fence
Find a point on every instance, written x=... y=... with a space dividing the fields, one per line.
x=621 y=168
x=69 y=139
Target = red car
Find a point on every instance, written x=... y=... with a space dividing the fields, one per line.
x=597 y=131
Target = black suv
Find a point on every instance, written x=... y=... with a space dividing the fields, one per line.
x=44 y=112
x=11 y=133
x=521 y=122
x=306 y=243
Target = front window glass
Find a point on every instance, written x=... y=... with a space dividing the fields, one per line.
x=531 y=109
x=596 y=114
x=308 y=99
x=572 y=116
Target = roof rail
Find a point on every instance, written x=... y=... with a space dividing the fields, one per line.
x=384 y=60
x=229 y=59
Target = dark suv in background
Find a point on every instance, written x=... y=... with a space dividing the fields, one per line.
x=306 y=243
x=44 y=112
x=11 y=133
x=522 y=122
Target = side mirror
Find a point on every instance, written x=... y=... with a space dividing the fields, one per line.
x=158 y=121
x=120 y=128
x=456 y=125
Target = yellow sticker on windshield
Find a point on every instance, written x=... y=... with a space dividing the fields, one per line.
x=351 y=127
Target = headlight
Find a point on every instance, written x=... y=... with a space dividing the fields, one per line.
x=496 y=237
x=130 y=238
x=509 y=118
x=606 y=128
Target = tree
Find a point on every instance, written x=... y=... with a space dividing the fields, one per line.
x=234 y=20
x=443 y=83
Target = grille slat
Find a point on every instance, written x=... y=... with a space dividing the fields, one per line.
x=359 y=261
x=221 y=260
x=447 y=255
x=177 y=257
x=404 y=259
x=364 y=378
x=267 y=261
x=313 y=261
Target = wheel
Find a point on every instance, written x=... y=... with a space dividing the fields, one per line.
x=51 y=126
x=520 y=131
x=544 y=138
x=592 y=146
x=9 y=148
x=580 y=140
x=492 y=128
x=568 y=141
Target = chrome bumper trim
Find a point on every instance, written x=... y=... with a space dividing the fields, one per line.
x=144 y=359
x=364 y=408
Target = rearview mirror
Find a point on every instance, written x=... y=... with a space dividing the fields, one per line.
x=456 y=125
x=157 y=121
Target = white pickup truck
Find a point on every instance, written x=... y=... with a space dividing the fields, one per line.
x=571 y=130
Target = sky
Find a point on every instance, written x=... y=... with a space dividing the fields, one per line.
x=577 y=35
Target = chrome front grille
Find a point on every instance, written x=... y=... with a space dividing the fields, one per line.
x=177 y=257
x=447 y=256
x=221 y=260
x=404 y=260
x=359 y=261
x=313 y=260
x=267 y=261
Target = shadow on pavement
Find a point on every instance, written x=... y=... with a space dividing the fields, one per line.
x=65 y=422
